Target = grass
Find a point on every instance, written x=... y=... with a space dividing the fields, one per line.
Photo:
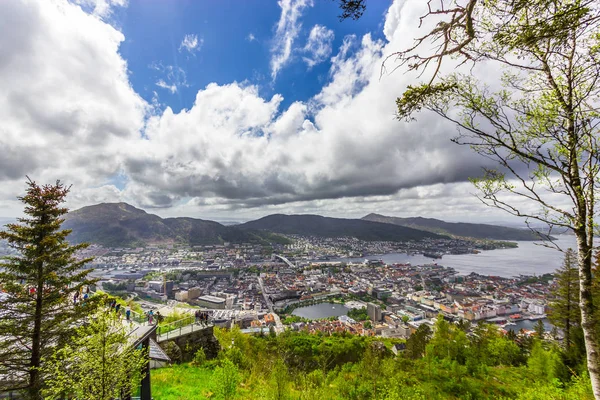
x=181 y=382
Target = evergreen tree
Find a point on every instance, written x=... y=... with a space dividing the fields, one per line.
x=564 y=308
x=540 y=329
x=97 y=363
x=417 y=342
x=38 y=315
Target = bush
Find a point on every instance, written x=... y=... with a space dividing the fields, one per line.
x=225 y=380
x=199 y=358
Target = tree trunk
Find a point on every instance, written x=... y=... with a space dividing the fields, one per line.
x=34 y=364
x=588 y=322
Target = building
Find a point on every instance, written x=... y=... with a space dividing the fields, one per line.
x=168 y=286
x=209 y=301
x=194 y=293
x=381 y=293
x=155 y=285
x=181 y=296
x=374 y=312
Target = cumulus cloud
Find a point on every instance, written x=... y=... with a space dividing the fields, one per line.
x=191 y=44
x=251 y=37
x=67 y=105
x=318 y=45
x=342 y=153
x=286 y=32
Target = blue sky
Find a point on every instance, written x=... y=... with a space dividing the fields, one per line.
x=224 y=110
x=154 y=30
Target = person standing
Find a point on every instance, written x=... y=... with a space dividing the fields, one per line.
x=128 y=313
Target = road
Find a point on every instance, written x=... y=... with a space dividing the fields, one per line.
x=278 y=324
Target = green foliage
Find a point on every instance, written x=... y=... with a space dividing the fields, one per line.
x=182 y=381
x=358 y=314
x=225 y=380
x=417 y=342
x=279 y=381
x=99 y=362
x=38 y=315
x=544 y=364
x=564 y=308
x=199 y=357
x=112 y=287
x=293 y=319
x=298 y=365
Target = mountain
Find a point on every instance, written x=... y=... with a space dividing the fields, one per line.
x=477 y=231
x=122 y=225
x=316 y=225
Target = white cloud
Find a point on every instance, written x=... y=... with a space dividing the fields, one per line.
x=66 y=103
x=162 y=84
x=251 y=37
x=286 y=32
x=172 y=78
x=69 y=112
x=318 y=45
x=102 y=8
x=191 y=44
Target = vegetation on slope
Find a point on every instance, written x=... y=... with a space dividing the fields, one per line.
x=315 y=225
x=122 y=225
x=459 y=229
x=446 y=365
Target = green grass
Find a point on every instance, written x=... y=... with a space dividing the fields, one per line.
x=181 y=382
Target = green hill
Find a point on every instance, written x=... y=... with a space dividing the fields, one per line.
x=122 y=225
x=461 y=229
x=316 y=225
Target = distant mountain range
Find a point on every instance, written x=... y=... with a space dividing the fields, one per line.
x=316 y=225
x=476 y=231
x=122 y=225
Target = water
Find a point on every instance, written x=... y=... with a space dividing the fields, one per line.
x=529 y=259
x=322 y=310
x=528 y=325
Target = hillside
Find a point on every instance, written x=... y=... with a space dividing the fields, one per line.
x=477 y=231
x=316 y=225
x=120 y=224
x=432 y=365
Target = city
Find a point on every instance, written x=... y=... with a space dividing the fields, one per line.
x=251 y=284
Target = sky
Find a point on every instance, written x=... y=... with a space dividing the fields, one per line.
x=225 y=110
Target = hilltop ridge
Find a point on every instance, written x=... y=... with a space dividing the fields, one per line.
x=461 y=229
x=316 y=225
x=121 y=224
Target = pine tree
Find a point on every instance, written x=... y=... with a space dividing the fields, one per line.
x=564 y=308
x=38 y=284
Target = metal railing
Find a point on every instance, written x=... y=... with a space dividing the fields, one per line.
x=180 y=327
x=133 y=316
